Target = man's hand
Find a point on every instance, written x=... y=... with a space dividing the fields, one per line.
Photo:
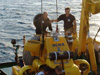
x=51 y=21
x=55 y=20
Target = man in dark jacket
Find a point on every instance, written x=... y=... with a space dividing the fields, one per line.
x=41 y=22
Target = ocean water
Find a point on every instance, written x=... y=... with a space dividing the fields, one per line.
x=16 y=20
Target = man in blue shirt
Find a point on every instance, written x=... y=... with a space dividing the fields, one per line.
x=45 y=71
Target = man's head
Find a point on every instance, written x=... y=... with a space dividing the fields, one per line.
x=67 y=10
x=42 y=67
x=46 y=70
x=45 y=15
x=58 y=70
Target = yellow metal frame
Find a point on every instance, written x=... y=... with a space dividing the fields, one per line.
x=81 y=61
x=88 y=6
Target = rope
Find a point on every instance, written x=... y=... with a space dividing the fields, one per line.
x=97 y=33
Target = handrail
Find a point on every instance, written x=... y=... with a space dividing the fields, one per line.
x=2 y=73
x=8 y=64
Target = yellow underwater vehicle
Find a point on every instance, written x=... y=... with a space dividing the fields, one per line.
x=76 y=57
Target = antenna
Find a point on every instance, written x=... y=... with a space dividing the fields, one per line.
x=41 y=7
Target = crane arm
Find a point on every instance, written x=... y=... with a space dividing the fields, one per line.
x=88 y=6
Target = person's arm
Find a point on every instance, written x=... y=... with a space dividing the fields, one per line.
x=55 y=20
x=50 y=27
x=58 y=19
x=74 y=24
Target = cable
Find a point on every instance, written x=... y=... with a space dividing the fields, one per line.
x=57 y=8
x=42 y=27
x=57 y=15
